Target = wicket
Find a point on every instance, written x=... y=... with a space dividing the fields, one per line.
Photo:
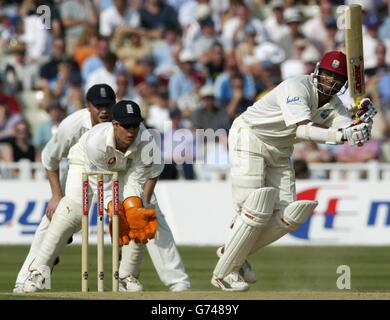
x=100 y=231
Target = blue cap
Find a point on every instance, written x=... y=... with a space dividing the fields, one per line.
x=330 y=22
x=372 y=20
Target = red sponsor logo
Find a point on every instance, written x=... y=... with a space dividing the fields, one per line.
x=100 y=198
x=358 y=78
x=85 y=198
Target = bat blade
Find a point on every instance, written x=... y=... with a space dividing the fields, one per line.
x=354 y=51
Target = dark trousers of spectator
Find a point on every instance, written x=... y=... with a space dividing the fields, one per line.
x=171 y=172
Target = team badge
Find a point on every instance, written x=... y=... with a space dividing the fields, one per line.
x=111 y=161
x=335 y=64
x=129 y=108
x=103 y=92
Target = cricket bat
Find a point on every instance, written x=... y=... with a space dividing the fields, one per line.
x=354 y=53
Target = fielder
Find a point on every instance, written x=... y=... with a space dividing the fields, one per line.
x=115 y=146
x=162 y=250
x=100 y=99
x=261 y=143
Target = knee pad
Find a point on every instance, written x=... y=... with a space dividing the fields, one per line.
x=291 y=218
x=256 y=212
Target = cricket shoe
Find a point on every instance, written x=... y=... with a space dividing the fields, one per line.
x=179 y=287
x=130 y=284
x=35 y=282
x=19 y=288
x=245 y=271
x=232 y=282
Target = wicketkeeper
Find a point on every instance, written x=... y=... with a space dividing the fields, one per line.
x=113 y=146
x=100 y=99
x=261 y=143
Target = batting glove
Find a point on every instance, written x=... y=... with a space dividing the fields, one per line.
x=356 y=134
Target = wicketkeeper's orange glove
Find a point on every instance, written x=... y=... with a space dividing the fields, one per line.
x=142 y=222
x=123 y=225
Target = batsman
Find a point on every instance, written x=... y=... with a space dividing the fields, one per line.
x=261 y=143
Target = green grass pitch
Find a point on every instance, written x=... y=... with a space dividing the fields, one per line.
x=283 y=273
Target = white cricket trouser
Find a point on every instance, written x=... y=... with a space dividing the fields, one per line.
x=163 y=253
x=34 y=249
x=255 y=164
x=63 y=225
x=39 y=236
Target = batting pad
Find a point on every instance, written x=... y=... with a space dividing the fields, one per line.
x=255 y=214
x=65 y=222
x=292 y=217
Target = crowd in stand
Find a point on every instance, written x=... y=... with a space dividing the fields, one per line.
x=192 y=64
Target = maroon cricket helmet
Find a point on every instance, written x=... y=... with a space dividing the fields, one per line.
x=334 y=61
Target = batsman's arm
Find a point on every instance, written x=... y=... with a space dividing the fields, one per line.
x=354 y=134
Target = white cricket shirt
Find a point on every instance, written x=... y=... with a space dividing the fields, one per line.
x=274 y=117
x=68 y=133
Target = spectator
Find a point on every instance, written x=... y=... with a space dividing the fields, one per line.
x=314 y=28
x=238 y=104
x=119 y=15
x=206 y=38
x=74 y=98
x=177 y=150
x=96 y=61
x=165 y=51
x=209 y=115
x=182 y=82
x=132 y=46
x=294 y=19
x=19 y=73
x=156 y=15
x=310 y=152
x=49 y=70
x=301 y=169
x=48 y=128
x=20 y=145
x=310 y=57
x=8 y=120
x=67 y=70
x=294 y=65
x=190 y=16
x=191 y=101
x=222 y=86
x=245 y=51
x=8 y=100
x=215 y=62
x=125 y=90
x=369 y=151
x=233 y=31
x=159 y=116
x=104 y=74
x=332 y=39
x=86 y=45
x=370 y=40
x=75 y=14
x=274 y=24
